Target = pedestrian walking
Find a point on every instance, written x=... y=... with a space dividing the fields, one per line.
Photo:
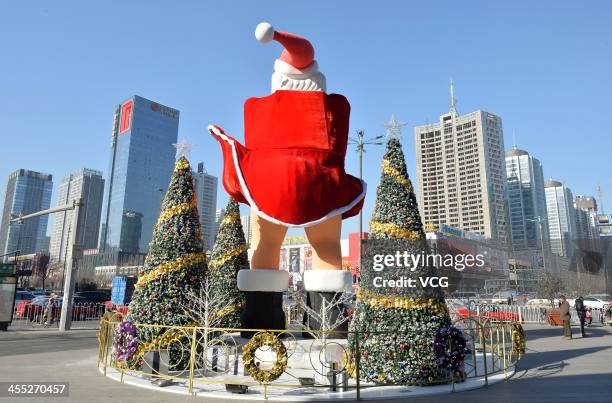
x=49 y=314
x=588 y=318
x=564 y=313
x=581 y=311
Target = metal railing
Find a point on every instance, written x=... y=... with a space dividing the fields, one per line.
x=84 y=315
x=203 y=358
x=529 y=314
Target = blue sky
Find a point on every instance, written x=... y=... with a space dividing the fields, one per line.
x=545 y=67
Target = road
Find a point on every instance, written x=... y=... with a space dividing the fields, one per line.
x=553 y=370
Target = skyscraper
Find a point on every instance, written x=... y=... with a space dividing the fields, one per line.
x=526 y=201
x=586 y=217
x=206 y=193
x=88 y=186
x=141 y=163
x=218 y=218
x=245 y=220
x=561 y=217
x=26 y=192
x=461 y=173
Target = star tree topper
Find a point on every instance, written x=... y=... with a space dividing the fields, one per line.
x=183 y=148
x=394 y=128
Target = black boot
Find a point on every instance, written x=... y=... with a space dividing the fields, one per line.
x=263 y=310
x=326 y=287
x=334 y=311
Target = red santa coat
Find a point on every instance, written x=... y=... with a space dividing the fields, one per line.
x=291 y=169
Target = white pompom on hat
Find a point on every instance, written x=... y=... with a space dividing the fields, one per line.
x=297 y=59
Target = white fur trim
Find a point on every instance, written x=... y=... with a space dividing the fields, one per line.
x=245 y=190
x=263 y=280
x=285 y=68
x=264 y=32
x=328 y=280
x=281 y=81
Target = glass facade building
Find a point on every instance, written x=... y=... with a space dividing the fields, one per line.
x=88 y=186
x=206 y=193
x=27 y=192
x=141 y=164
x=561 y=217
x=526 y=201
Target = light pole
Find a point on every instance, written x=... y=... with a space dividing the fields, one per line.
x=540 y=220
x=360 y=142
x=66 y=313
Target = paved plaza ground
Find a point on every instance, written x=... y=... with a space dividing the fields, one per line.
x=553 y=370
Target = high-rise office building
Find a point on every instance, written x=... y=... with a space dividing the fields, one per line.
x=586 y=217
x=206 y=192
x=141 y=163
x=561 y=217
x=26 y=192
x=218 y=218
x=247 y=228
x=461 y=173
x=88 y=186
x=526 y=201
x=587 y=203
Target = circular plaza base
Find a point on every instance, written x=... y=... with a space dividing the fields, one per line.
x=212 y=386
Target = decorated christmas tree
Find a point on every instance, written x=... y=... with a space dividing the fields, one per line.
x=398 y=327
x=173 y=268
x=229 y=255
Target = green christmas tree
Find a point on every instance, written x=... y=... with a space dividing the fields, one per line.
x=397 y=326
x=172 y=270
x=229 y=255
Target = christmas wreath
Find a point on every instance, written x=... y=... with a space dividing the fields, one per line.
x=518 y=338
x=125 y=342
x=450 y=348
x=248 y=357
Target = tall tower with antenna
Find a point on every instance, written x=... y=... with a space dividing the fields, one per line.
x=453 y=100
x=601 y=199
x=461 y=172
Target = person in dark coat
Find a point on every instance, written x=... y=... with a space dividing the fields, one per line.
x=564 y=313
x=580 y=309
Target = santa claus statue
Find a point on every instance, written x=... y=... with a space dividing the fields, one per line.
x=291 y=172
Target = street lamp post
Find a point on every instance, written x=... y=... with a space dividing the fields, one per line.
x=66 y=312
x=360 y=142
x=540 y=220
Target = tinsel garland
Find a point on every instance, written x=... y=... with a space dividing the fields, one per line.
x=518 y=338
x=227 y=310
x=395 y=231
x=230 y=218
x=172 y=211
x=387 y=169
x=169 y=336
x=180 y=263
x=248 y=357
x=381 y=301
x=182 y=164
x=222 y=259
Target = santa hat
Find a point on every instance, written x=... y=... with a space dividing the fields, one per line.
x=297 y=60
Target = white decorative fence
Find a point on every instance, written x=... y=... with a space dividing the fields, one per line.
x=84 y=315
x=527 y=313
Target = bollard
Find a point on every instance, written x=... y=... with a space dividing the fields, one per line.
x=484 y=354
x=357 y=363
x=192 y=359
